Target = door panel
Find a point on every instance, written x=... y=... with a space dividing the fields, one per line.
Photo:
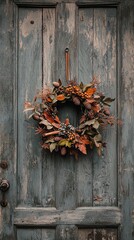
x=98 y=234
x=35 y=234
x=54 y=197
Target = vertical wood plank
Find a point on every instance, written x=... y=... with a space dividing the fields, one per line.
x=48 y=46
x=7 y=130
x=29 y=80
x=48 y=170
x=66 y=38
x=126 y=186
x=65 y=166
x=85 y=43
x=104 y=68
x=66 y=232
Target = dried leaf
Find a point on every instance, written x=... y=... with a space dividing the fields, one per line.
x=27 y=105
x=47 y=124
x=97 y=140
x=52 y=146
x=65 y=142
x=86 y=87
x=57 y=119
x=60 y=97
x=82 y=148
x=83 y=118
x=99 y=149
x=48 y=117
x=84 y=140
x=87 y=123
x=90 y=91
x=96 y=108
x=107 y=101
x=96 y=125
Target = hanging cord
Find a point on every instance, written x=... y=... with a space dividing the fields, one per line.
x=67 y=62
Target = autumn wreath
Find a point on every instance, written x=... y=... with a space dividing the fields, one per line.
x=62 y=136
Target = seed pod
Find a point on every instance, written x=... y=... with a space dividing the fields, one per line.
x=87 y=105
x=57 y=139
x=76 y=101
x=56 y=84
x=36 y=117
x=63 y=151
x=106 y=111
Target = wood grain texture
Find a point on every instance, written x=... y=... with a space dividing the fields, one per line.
x=40 y=176
x=48 y=46
x=35 y=234
x=65 y=166
x=26 y=234
x=48 y=165
x=104 y=69
x=66 y=232
x=85 y=216
x=29 y=80
x=97 y=234
x=48 y=234
x=54 y=2
x=126 y=186
x=85 y=43
x=65 y=38
x=7 y=131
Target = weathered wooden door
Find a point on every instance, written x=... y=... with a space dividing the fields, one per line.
x=53 y=197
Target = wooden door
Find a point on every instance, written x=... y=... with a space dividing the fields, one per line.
x=53 y=197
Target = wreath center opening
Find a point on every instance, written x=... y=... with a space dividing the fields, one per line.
x=71 y=111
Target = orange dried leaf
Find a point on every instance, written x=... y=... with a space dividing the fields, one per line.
x=48 y=99
x=82 y=148
x=60 y=97
x=84 y=140
x=90 y=91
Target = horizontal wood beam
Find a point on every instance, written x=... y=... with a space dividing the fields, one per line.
x=93 y=216
x=52 y=3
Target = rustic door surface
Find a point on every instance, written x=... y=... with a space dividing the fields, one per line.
x=53 y=197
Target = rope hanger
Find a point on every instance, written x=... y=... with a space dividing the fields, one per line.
x=67 y=64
